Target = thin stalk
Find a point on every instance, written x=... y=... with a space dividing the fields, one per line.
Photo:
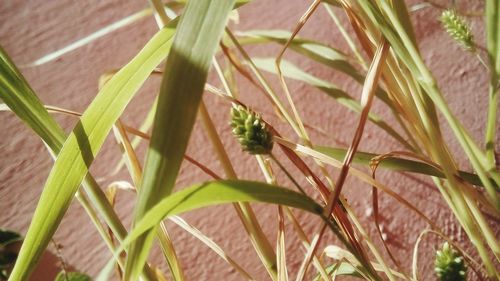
x=346 y=36
x=247 y=216
x=168 y=250
x=367 y=98
x=135 y=170
x=212 y=245
x=264 y=82
x=302 y=133
x=290 y=177
x=84 y=201
x=378 y=256
x=266 y=170
x=160 y=15
x=281 y=247
x=306 y=243
x=225 y=84
x=491 y=124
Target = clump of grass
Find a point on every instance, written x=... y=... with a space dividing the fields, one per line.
x=397 y=76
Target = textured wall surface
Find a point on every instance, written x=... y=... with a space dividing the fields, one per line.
x=31 y=29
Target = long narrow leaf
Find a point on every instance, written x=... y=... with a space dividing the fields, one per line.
x=315 y=50
x=216 y=193
x=21 y=99
x=17 y=95
x=210 y=194
x=292 y=71
x=493 y=39
x=397 y=164
x=186 y=70
x=81 y=147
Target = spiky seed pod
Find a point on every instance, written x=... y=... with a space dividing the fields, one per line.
x=458 y=29
x=449 y=265
x=250 y=131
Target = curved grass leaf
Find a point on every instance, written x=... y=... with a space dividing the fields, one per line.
x=82 y=145
x=21 y=99
x=397 y=164
x=291 y=71
x=200 y=29
x=216 y=193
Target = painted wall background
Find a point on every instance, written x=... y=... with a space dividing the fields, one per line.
x=31 y=29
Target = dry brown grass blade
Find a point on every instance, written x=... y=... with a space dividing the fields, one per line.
x=370 y=85
x=131 y=159
x=310 y=254
x=375 y=162
x=298 y=27
x=212 y=245
x=355 y=172
x=281 y=248
x=188 y=158
x=238 y=65
x=303 y=133
x=368 y=93
x=306 y=243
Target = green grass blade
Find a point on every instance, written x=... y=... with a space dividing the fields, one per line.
x=200 y=29
x=493 y=33
x=81 y=147
x=397 y=164
x=18 y=96
x=404 y=17
x=314 y=50
x=21 y=99
x=291 y=71
x=216 y=193
x=493 y=41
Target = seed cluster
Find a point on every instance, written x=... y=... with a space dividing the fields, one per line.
x=449 y=265
x=250 y=131
x=458 y=29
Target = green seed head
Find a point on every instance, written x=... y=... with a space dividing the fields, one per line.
x=449 y=265
x=250 y=131
x=458 y=29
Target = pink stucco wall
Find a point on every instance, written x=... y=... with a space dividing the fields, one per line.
x=30 y=29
